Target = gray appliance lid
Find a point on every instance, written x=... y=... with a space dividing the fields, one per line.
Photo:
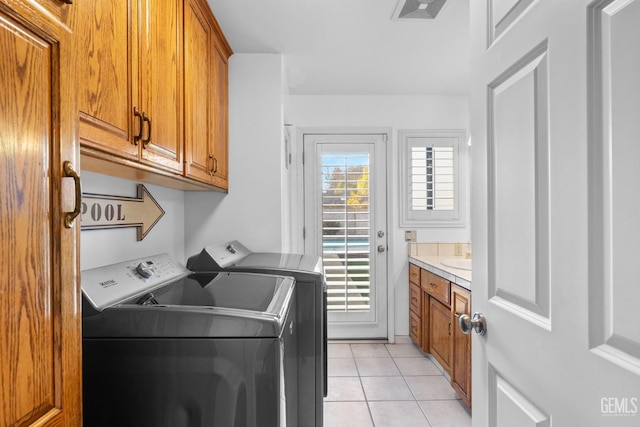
x=231 y=305
x=234 y=256
x=235 y=291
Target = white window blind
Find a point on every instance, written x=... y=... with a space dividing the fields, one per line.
x=432 y=178
x=346 y=230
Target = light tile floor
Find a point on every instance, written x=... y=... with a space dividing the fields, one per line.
x=388 y=385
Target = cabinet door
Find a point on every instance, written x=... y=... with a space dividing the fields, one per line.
x=106 y=41
x=461 y=362
x=440 y=332
x=199 y=91
x=221 y=118
x=40 y=336
x=425 y=318
x=161 y=83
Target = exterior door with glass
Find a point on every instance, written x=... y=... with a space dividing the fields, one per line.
x=345 y=224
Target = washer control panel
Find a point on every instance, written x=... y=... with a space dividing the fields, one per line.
x=113 y=284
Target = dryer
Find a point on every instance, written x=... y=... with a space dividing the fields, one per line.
x=311 y=312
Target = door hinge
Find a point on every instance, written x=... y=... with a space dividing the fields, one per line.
x=304 y=233
x=385 y=137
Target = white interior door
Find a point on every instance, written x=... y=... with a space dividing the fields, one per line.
x=345 y=224
x=555 y=110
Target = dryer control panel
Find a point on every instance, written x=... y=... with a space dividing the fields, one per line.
x=112 y=284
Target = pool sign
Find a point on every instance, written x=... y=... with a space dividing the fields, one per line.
x=103 y=211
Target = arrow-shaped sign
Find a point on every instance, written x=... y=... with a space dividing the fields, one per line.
x=103 y=211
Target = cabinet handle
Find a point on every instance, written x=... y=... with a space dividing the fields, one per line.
x=138 y=137
x=449 y=328
x=211 y=170
x=146 y=141
x=67 y=1
x=215 y=165
x=67 y=166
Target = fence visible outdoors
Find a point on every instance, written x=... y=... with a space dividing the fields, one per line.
x=345 y=231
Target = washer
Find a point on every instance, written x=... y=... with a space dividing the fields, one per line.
x=167 y=348
x=311 y=314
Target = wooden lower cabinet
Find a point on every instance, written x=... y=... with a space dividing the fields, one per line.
x=440 y=333
x=415 y=305
x=415 y=328
x=461 y=345
x=434 y=309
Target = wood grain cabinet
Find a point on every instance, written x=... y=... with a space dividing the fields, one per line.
x=415 y=305
x=440 y=333
x=40 y=337
x=151 y=78
x=433 y=325
x=130 y=98
x=460 y=345
x=438 y=327
x=206 y=96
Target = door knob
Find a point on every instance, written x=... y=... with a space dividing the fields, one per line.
x=477 y=323
x=381 y=248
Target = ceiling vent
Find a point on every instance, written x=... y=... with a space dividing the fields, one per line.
x=417 y=9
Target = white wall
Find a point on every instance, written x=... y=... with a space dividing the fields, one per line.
x=396 y=112
x=252 y=210
x=103 y=247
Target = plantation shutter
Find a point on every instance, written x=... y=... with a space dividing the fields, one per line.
x=345 y=231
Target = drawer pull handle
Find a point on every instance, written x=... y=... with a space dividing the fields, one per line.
x=137 y=114
x=147 y=140
x=70 y=172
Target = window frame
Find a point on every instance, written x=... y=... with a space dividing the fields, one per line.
x=433 y=218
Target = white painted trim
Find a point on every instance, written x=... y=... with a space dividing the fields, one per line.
x=298 y=199
x=456 y=218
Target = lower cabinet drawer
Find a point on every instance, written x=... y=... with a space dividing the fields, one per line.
x=415 y=329
x=415 y=296
x=436 y=286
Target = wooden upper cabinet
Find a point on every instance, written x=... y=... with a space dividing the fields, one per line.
x=160 y=76
x=40 y=350
x=130 y=97
x=221 y=113
x=107 y=55
x=153 y=74
x=198 y=42
x=206 y=96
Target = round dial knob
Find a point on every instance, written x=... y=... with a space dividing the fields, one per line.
x=145 y=270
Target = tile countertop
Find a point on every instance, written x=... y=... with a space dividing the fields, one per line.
x=429 y=256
